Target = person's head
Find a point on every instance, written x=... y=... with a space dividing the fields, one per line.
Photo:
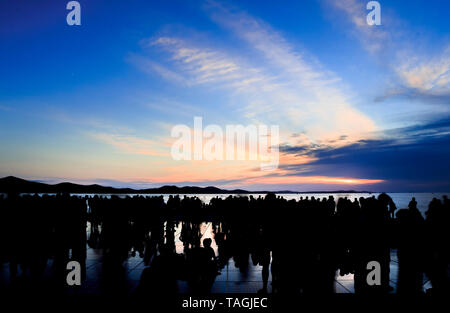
x=270 y=196
x=207 y=242
x=384 y=198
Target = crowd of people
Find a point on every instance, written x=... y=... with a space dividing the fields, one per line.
x=302 y=243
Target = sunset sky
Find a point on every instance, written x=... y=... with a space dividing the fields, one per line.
x=358 y=107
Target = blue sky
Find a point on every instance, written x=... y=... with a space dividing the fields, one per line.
x=358 y=106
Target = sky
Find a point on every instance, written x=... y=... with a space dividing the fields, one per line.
x=358 y=107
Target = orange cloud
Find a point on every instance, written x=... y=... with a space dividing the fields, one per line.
x=311 y=180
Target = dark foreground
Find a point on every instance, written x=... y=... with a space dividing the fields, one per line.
x=144 y=246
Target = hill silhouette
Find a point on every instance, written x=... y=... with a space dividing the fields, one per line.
x=14 y=184
x=11 y=184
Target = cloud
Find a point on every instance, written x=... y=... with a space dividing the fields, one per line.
x=280 y=84
x=132 y=145
x=85 y=121
x=206 y=65
x=307 y=93
x=423 y=76
x=374 y=38
x=173 y=107
x=148 y=66
x=413 y=158
x=429 y=77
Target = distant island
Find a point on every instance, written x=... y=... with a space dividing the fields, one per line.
x=13 y=184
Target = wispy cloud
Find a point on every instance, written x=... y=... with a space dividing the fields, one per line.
x=430 y=77
x=280 y=84
x=149 y=66
x=422 y=75
x=206 y=65
x=133 y=145
x=307 y=93
x=85 y=121
x=172 y=107
x=374 y=39
x=201 y=64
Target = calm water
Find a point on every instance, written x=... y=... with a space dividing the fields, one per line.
x=400 y=199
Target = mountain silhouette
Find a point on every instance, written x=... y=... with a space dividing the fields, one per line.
x=11 y=184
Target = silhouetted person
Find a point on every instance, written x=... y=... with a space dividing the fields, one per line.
x=410 y=233
x=438 y=232
x=160 y=279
